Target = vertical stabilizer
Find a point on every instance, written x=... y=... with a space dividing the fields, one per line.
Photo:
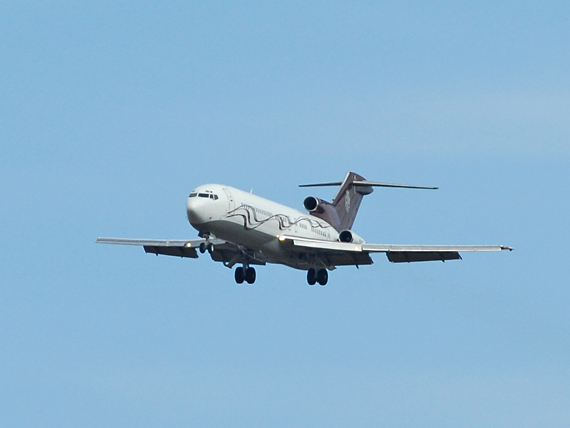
x=348 y=199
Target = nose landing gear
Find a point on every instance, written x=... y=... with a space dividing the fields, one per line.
x=206 y=246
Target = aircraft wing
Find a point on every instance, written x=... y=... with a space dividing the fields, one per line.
x=223 y=251
x=395 y=253
x=168 y=247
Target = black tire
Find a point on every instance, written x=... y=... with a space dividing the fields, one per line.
x=250 y=275
x=210 y=248
x=311 y=276
x=239 y=275
x=322 y=276
x=202 y=247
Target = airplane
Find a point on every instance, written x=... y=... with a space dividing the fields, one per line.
x=243 y=229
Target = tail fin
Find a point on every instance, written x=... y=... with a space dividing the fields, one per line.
x=348 y=199
x=341 y=212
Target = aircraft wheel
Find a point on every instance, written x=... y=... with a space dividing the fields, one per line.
x=322 y=276
x=311 y=276
x=210 y=248
x=250 y=275
x=239 y=275
x=202 y=247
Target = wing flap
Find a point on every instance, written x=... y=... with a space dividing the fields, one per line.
x=421 y=256
x=339 y=258
x=171 y=251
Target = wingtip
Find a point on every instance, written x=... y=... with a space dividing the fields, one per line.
x=504 y=247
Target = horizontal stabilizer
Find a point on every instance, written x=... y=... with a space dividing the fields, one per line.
x=366 y=183
x=401 y=186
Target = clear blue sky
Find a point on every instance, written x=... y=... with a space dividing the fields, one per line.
x=111 y=112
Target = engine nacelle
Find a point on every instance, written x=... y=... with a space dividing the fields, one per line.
x=350 y=236
x=311 y=204
x=323 y=210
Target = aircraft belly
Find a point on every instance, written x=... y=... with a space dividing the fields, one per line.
x=258 y=240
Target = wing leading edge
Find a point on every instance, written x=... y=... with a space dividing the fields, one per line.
x=395 y=253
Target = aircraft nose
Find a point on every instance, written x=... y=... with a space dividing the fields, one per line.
x=195 y=211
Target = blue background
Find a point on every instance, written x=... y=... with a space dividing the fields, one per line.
x=111 y=112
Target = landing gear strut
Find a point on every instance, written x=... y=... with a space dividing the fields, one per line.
x=321 y=276
x=246 y=274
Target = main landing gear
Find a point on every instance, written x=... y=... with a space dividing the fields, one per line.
x=321 y=276
x=246 y=274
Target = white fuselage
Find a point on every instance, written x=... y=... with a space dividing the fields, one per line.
x=256 y=223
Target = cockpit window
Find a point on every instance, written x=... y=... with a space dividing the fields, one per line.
x=206 y=194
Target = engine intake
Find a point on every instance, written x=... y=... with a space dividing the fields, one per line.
x=311 y=203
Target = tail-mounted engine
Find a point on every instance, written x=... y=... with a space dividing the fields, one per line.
x=312 y=204
x=322 y=209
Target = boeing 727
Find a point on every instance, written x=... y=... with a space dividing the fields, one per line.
x=241 y=229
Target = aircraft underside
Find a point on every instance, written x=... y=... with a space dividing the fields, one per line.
x=261 y=248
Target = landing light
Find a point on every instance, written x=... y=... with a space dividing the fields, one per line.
x=281 y=238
